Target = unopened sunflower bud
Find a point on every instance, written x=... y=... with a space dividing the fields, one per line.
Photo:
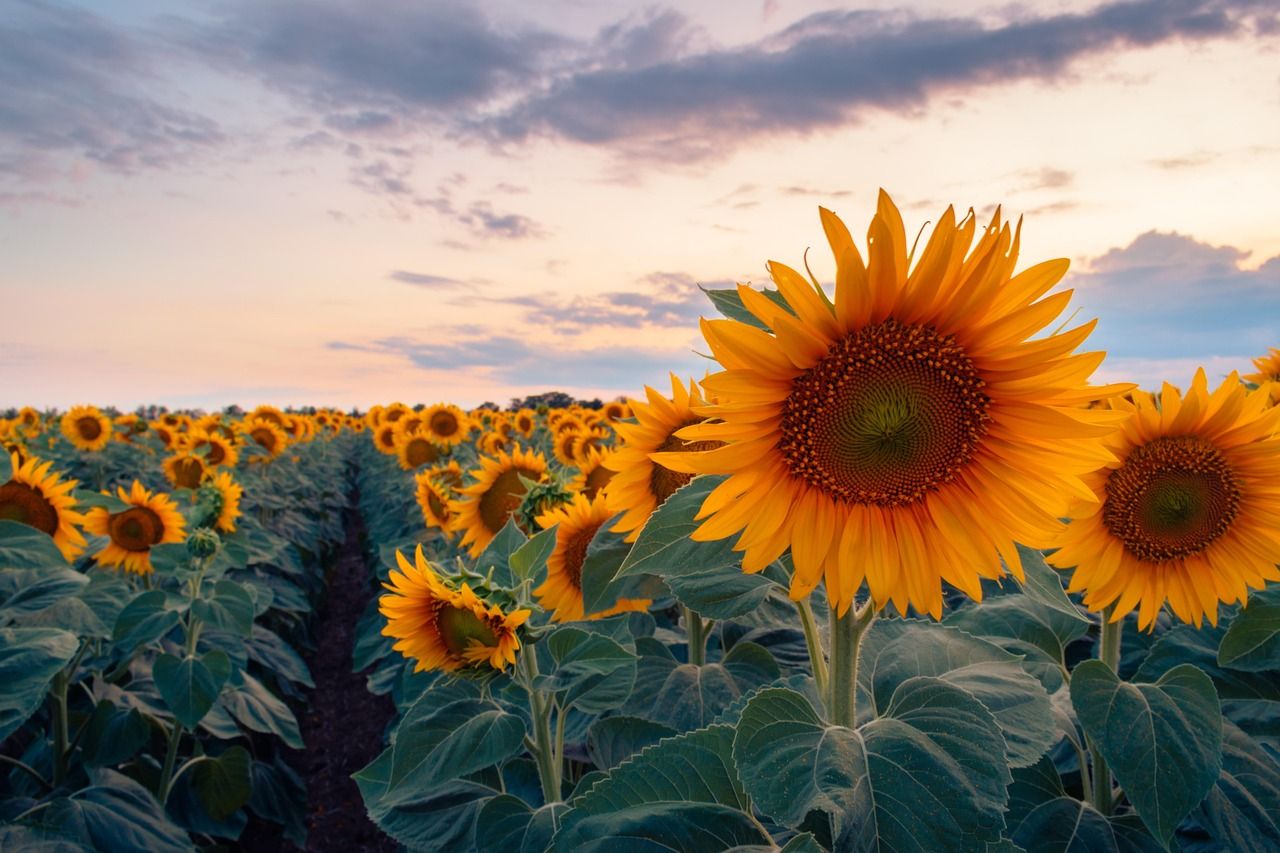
x=203 y=543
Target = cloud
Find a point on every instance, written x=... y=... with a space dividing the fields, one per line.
x=485 y=222
x=428 y=280
x=1167 y=294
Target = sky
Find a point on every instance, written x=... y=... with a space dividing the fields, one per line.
x=347 y=203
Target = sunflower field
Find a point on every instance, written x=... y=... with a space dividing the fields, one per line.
x=893 y=575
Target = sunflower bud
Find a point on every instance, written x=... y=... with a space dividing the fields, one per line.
x=541 y=498
x=203 y=543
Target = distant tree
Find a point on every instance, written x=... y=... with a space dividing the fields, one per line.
x=489 y=405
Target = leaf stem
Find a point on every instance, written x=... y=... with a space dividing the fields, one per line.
x=697 y=637
x=30 y=771
x=846 y=638
x=1108 y=653
x=813 y=640
x=60 y=727
x=544 y=750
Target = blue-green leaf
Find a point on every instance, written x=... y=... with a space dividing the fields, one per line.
x=1252 y=641
x=190 y=686
x=29 y=659
x=664 y=547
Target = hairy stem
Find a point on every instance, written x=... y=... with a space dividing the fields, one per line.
x=813 y=640
x=697 y=637
x=846 y=638
x=1108 y=653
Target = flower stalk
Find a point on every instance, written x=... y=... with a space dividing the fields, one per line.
x=1108 y=653
x=846 y=639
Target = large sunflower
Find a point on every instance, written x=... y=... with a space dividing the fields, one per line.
x=910 y=431
x=576 y=525
x=595 y=471
x=86 y=427
x=229 y=493
x=37 y=497
x=642 y=485
x=414 y=449
x=185 y=470
x=445 y=628
x=1187 y=514
x=151 y=519
x=446 y=423
x=485 y=505
x=1268 y=367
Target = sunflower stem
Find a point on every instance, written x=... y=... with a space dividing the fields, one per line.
x=544 y=751
x=697 y=637
x=846 y=638
x=1108 y=653
x=813 y=640
x=170 y=759
x=60 y=727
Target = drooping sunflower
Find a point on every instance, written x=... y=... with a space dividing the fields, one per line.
x=230 y=492
x=151 y=519
x=911 y=430
x=415 y=449
x=1268 y=371
x=1187 y=514
x=434 y=496
x=594 y=472
x=39 y=498
x=185 y=470
x=220 y=451
x=576 y=524
x=642 y=484
x=446 y=423
x=445 y=628
x=86 y=427
x=484 y=507
x=267 y=435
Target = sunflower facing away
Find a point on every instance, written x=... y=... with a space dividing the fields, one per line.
x=1187 y=512
x=907 y=433
x=185 y=470
x=86 y=428
x=445 y=628
x=484 y=507
x=1268 y=367
x=641 y=484
x=229 y=492
x=576 y=524
x=37 y=497
x=151 y=519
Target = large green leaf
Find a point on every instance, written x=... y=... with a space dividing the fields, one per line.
x=612 y=740
x=114 y=735
x=24 y=591
x=1066 y=825
x=229 y=607
x=1243 y=810
x=1023 y=619
x=1252 y=641
x=223 y=783
x=928 y=775
x=258 y=709
x=496 y=556
x=146 y=618
x=687 y=696
x=586 y=670
x=29 y=658
x=1044 y=585
x=664 y=547
x=508 y=824
x=267 y=648
x=1200 y=646
x=115 y=813
x=529 y=561
x=279 y=795
x=602 y=585
x=25 y=547
x=1163 y=741
x=435 y=743
x=724 y=593
x=190 y=685
x=682 y=792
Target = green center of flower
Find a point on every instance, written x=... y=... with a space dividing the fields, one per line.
x=459 y=627
x=892 y=412
x=23 y=504
x=136 y=529
x=1171 y=498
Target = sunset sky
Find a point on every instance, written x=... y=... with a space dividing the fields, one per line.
x=345 y=203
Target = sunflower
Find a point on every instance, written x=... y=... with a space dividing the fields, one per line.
x=166 y=435
x=434 y=495
x=908 y=432
x=267 y=435
x=594 y=471
x=525 y=422
x=414 y=449
x=185 y=470
x=394 y=412
x=484 y=507
x=641 y=484
x=267 y=413
x=126 y=426
x=446 y=423
x=151 y=519
x=445 y=628
x=86 y=427
x=29 y=421
x=1187 y=512
x=562 y=445
x=576 y=525
x=491 y=442
x=230 y=492
x=39 y=498
x=220 y=451
x=1268 y=367
x=616 y=410
x=384 y=438
x=594 y=438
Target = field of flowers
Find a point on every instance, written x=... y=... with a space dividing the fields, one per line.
x=892 y=576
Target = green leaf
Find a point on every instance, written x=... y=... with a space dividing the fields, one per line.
x=228 y=607
x=223 y=783
x=1163 y=741
x=88 y=499
x=1021 y=618
x=29 y=659
x=435 y=743
x=497 y=554
x=664 y=547
x=280 y=796
x=682 y=792
x=1242 y=811
x=1044 y=585
x=115 y=813
x=723 y=593
x=612 y=740
x=691 y=696
x=930 y=775
x=267 y=648
x=529 y=561
x=1066 y=825
x=26 y=591
x=6 y=467
x=144 y=620
x=508 y=824
x=258 y=709
x=729 y=303
x=114 y=735
x=190 y=686
x=1252 y=642
x=25 y=547
x=601 y=585
x=1199 y=646
x=586 y=670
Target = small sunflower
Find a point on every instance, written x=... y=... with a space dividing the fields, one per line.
x=576 y=525
x=525 y=422
x=1187 y=512
x=220 y=451
x=29 y=421
x=38 y=498
x=491 y=442
x=415 y=449
x=151 y=519
x=434 y=496
x=594 y=472
x=641 y=484
x=1268 y=367
x=445 y=628
x=384 y=438
x=267 y=413
x=593 y=438
x=484 y=507
x=267 y=435
x=394 y=412
x=185 y=470
x=908 y=431
x=166 y=435
x=451 y=474
x=616 y=410
x=447 y=424
x=230 y=493
x=86 y=427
